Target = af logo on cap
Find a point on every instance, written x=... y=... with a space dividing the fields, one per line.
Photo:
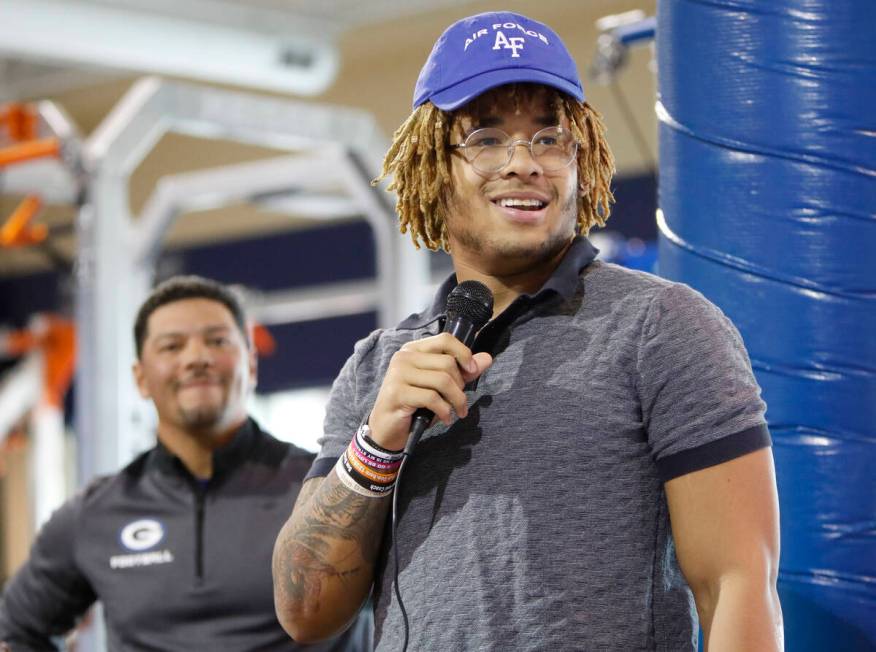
x=492 y=49
x=142 y=534
x=514 y=43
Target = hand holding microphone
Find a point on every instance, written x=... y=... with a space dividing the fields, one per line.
x=427 y=377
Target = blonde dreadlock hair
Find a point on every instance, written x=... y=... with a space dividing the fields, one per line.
x=419 y=161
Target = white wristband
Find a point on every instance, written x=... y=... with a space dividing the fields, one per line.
x=352 y=485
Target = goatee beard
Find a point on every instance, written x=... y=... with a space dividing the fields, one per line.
x=201 y=418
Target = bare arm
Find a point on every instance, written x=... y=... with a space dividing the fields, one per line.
x=725 y=521
x=324 y=556
x=323 y=562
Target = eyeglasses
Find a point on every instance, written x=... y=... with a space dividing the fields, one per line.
x=489 y=150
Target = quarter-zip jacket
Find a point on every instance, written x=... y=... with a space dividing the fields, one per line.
x=179 y=563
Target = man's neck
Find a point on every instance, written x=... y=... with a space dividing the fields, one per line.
x=195 y=448
x=507 y=285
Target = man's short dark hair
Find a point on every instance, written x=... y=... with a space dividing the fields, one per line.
x=187 y=287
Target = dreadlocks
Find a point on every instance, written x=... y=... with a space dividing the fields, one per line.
x=419 y=161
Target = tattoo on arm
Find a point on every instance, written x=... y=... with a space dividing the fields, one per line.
x=333 y=533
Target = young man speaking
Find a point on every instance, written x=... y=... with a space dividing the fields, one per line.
x=599 y=464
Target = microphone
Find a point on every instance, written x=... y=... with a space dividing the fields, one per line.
x=469 y=308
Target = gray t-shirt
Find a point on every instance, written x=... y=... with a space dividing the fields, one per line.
x=539 y=521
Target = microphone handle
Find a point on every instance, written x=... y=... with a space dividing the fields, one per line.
x=464 y=330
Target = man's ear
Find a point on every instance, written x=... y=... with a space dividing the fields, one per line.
x=140 y=379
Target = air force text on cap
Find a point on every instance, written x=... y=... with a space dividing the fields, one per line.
x=502 y=41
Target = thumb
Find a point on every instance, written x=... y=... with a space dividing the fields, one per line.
x=480 y=363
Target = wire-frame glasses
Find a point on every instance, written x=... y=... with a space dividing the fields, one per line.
x=489 y=150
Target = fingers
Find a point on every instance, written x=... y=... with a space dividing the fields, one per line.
x=435 y=362
x=448 y=388
x=436 y=402
x=429 y=373
x=428 y=380
x=444 y=344
x=445 y=354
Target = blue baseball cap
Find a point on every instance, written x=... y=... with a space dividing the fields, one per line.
x=481 y=52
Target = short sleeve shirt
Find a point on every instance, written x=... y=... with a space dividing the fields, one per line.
x=539 y=521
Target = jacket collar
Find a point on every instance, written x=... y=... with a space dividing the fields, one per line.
x=225 y=459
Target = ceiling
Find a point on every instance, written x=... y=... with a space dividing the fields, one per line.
x=376 y=48
x=30 y=67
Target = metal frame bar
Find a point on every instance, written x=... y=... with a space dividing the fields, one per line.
x=117 y=252
x=251 y=47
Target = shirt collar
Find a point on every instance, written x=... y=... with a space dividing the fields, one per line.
x=563 y=282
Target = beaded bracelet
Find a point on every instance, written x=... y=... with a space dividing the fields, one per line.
x=367 y=468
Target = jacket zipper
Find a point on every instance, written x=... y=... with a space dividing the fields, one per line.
x=199 y=533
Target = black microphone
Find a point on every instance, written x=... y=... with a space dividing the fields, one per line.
x=469 y=308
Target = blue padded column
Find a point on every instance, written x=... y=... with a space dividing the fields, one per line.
x=768 y=206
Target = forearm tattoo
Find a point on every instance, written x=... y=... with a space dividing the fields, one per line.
x=334 y=533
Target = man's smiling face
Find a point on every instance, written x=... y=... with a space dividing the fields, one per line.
x=522 y=214
x=196 y=366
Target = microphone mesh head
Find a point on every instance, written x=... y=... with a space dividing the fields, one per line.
x=472 y=300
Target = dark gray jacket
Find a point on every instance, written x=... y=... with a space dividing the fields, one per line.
x=178 y=564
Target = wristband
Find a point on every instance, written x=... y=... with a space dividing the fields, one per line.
x=373 y=461
x=367 y=468
x=381 y=486
x=363 y=436
x=351 y=484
